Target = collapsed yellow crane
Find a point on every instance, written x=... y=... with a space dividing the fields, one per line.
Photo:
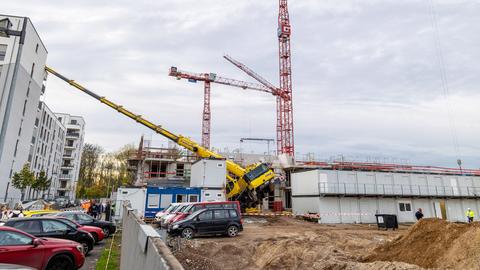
x=242 y=183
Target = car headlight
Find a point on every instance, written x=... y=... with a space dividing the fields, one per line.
x=80 y=248
x=175 y=226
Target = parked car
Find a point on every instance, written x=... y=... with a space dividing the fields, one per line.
x=165 y=220
x=193 y=207
x=208 y=221
x=39 y=213
x=18 y=247
x=165 y=211
x=96 y=232
x=55 y=228
x=86 y=220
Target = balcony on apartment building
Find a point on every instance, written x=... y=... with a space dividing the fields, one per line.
x=69 y=146
x=73 y=124
x=68 y=155
x=67 y=165
x=65 y=176
x=72 y=134
x=64 y=186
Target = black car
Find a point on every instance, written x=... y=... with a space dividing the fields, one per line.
x=84 y=219
x=51 y=227
x=208 y=221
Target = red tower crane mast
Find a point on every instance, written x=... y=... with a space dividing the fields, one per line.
x=285 y=105
x=208 y=78
x=285 y=138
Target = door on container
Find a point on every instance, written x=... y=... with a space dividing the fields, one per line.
x=439 y=209
x=405 y=211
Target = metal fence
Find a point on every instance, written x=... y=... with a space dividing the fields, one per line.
x=397 y=190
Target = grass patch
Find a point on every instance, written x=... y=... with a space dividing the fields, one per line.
x=114 y=262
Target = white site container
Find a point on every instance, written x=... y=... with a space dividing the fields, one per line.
x=213 y=195
x=135 y=196
x=208 y=173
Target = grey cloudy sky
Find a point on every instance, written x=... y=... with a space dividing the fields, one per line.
x=367 y=79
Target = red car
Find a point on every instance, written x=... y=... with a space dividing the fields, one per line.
x=21 y=248
x=201 y=205
x=96 y=232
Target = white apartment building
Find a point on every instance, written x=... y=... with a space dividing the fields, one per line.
x=22 y=58
x=70 y=167
x=46 y=151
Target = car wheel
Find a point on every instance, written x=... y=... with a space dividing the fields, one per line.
x=232 y=231
x=86 y=248
x=60 y=262
x=95 y=237
x=187 y=233
x=106 y=232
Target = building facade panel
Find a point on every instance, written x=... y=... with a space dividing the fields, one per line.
x=72 y=154
x=21 y=85
x=341 y=200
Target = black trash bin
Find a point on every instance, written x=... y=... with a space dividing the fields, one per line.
x=386 y=222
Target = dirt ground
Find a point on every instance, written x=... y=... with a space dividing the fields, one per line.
x=435 y=243
x=287 y=243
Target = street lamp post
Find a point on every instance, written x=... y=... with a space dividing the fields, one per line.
x=6 y=31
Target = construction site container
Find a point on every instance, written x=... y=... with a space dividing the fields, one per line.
x=158 y=198
x=213 y=195
x=208 y=173
x=347 y=196
x=134 y=196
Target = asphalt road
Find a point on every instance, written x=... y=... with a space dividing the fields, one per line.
x=93 y=256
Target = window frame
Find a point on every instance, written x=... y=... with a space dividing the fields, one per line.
x=17 y=233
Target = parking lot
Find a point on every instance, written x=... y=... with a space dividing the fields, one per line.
x=93 y=256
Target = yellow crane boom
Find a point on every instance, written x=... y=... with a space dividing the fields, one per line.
x=242 y=183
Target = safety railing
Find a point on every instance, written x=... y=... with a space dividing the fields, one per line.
x=397 y=190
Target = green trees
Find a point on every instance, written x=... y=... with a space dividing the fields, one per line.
x=23 y=179
x=101 y=172
x=26 y=179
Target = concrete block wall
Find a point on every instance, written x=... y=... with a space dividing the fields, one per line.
x=154 y=255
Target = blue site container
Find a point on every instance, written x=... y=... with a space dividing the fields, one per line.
x=158 y=198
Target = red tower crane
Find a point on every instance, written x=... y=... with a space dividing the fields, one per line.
x=285 y=63
x=285 y=138
x=208 y=78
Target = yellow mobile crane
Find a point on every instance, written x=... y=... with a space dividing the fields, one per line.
x=242 y=183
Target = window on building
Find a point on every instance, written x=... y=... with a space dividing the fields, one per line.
x=33 y=70
x=24 y=107
x=36 y=48
x=3 y=51
x=180 y=169
x=16 y=148
x=73 y=122
x=20 y=129
x=37 y=122
x=153 y=201
x=28 y=91
x=405 y=207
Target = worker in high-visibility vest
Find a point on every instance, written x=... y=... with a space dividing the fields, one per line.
x=470 y=215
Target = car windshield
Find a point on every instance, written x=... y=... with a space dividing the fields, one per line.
x=180 y=209
x=175 y=207
x=169 y=208
x=187 y=209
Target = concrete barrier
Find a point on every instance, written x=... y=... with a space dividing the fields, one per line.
x=142 y=247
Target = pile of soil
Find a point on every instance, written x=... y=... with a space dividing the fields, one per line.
x=434 y=243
